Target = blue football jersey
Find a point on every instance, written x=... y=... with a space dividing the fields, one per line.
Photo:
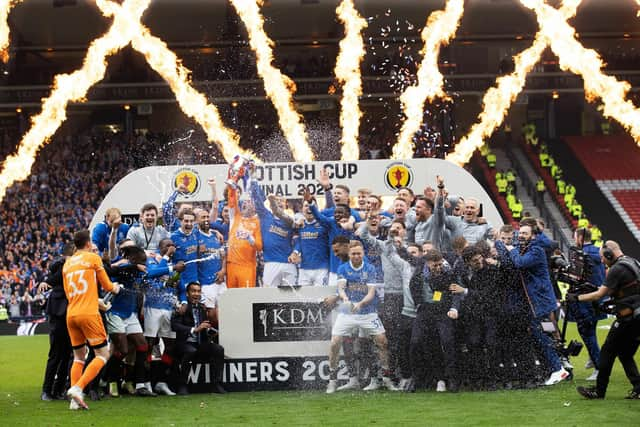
x=358 y=282
x=211 y=251
x=313 y=246
x=157 y=295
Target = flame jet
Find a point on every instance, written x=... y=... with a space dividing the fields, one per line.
x=498 y=99
x=279 y=87
x=574 y=57
x=5 y=8
x=126 y=28
x=348 y=74
x=441 y=27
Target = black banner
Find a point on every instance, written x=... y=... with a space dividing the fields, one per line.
x=25 y=326
x=278 y=373
x=290 y=321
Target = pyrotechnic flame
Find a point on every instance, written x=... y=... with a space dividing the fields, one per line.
x=193 y=103
x=574 y=57
x=279 y=87
x=498 y=99
x=348 y=73
x=5 y=8
x=441 y=27
x=126 y=28
x=68 y=88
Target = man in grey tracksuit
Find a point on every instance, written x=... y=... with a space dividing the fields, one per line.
x=391 y=306
x=432 y=223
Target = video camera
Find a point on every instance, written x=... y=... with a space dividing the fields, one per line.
x=572 y=349
x=575 y=271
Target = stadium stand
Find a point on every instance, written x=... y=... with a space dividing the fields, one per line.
x=549 y=183
x=613 y=161
x=489 y=175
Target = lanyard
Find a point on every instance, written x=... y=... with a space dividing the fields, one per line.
x=148 y=239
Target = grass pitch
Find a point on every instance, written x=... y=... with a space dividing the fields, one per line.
x=22 y=362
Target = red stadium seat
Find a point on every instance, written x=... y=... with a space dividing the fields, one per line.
x=630 y=202
x=607 y=157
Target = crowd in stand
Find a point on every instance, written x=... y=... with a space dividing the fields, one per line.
x=564 y=192
x=37 y=216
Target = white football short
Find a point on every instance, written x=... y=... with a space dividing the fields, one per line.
x=279 y=274
x=118 y=325
x=318 y=277
x=365 y=324
x=333 y=279
x=157 y=323
x=211 y=293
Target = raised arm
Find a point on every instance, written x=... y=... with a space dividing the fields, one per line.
x=258 y=197
x=233 y=200
x=324 y=181
x=390 y=251
x=365 y=236
x=160 y=269
x=275 y=209
x=503 y=253
x=323 y=220
x=169 y=208
x=439 y=213
x=530 y=258
x=113 y=247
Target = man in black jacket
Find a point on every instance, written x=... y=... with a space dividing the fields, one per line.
x=478 y=282
x=193 y=340
x=623 y=285
x=433 y=334
x=56 y=373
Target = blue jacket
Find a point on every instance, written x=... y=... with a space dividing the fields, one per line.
x=597 y=268
x=101 y=233
x=584 y=311
x=534 y=271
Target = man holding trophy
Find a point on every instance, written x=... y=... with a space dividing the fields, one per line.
x=245 y=239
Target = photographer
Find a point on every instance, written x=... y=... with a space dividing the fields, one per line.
x=584 y=313
x=531 y=262
x=623 y=285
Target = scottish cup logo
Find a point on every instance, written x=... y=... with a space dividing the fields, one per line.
x=188 y=178
x=398 y=175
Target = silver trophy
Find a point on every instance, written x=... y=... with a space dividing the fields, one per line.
x=239 y=174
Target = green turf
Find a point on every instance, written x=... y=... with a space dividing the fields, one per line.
x=22 y=362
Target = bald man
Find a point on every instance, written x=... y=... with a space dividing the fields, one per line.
x=623 y=285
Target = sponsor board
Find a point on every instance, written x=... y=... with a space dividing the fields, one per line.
x=155 y=184
x=273 y=322
x=290 y=321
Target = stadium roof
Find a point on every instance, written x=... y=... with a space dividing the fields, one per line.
x=74 y=23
